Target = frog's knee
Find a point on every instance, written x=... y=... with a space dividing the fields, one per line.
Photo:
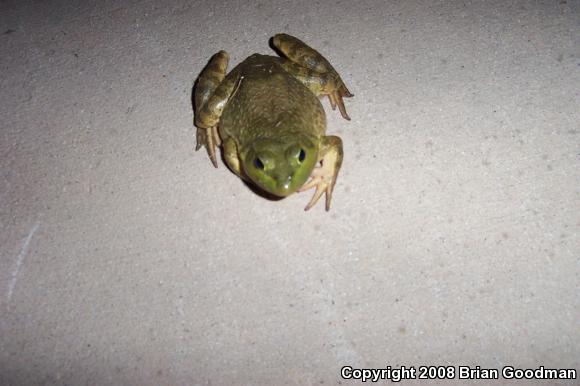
x=332 y=143
x=281 y=41
x=301 y=53
x=215 y=71
x=211 y=77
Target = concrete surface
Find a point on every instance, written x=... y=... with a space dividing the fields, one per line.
x=127 y=259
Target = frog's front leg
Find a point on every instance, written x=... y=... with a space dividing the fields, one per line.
x=324 y=176
x=231 y=156
x=212 y=92
x=309 y=66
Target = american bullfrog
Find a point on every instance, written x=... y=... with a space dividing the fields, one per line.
x=267 y=117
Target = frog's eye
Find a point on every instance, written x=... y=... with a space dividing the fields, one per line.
x=302 y=155
x=259 y=164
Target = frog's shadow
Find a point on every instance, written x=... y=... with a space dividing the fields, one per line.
x=254 y=188
x=275 y=49
x=262 y=193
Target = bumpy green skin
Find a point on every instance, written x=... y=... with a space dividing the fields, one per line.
x=267 y=115
x=271 y=117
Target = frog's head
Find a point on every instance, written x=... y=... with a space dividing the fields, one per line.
x=280 y=166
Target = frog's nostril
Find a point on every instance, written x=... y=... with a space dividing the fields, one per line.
x=284 y=182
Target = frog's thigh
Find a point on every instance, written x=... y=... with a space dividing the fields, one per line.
x=318 y=74
x=231 y=156
x=324 y=176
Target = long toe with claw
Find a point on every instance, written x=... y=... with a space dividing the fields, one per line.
x=324 y=183
x=335 y=96
x=209 y=139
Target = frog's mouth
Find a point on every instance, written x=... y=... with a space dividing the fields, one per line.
x=280 y=183
x=285 y=185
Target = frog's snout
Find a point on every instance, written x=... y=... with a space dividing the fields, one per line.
x=284 y=185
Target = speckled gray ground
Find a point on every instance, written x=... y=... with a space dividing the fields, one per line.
x=127 y=259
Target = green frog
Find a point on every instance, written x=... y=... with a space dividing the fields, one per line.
x=267 y=117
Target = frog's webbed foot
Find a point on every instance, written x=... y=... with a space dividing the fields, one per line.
x=324 y=176
x=312 y=69
x=321 y=178
x=210 y=139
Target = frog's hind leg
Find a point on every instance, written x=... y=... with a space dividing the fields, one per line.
x=210 y=78
x=212 y=91
x=313 y=70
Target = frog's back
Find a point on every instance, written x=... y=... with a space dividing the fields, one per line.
x=268 y=102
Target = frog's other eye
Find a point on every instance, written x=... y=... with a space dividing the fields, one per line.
x=302 y=155
x=259 y=164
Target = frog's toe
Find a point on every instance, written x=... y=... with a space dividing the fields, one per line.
x=209 y=139
x=324 y=183
x=335 y=98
